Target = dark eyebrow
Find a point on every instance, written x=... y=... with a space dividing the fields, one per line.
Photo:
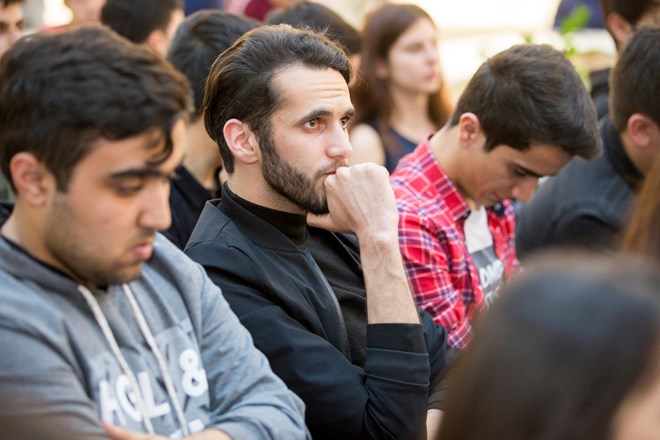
x=317 y=113
x=142 y=173
x=530 y=172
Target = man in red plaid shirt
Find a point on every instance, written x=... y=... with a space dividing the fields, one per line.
x=524 y=114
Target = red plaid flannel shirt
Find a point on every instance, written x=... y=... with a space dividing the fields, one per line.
x=432 y=214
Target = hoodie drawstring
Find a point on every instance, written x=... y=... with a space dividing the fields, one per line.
x=146 y=332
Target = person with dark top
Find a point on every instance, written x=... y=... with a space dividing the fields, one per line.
x=621 y=18
x=588 y=203
x=399 y=94
x=196 y=44
x=151 y=23
x=332 y=312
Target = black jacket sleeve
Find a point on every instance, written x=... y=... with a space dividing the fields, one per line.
x=385 y=400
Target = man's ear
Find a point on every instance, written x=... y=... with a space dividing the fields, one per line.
x=642 y=130
x=241 y=141
x=620 y=28
x=32 y=180
x=469 y=129
x=157 y=41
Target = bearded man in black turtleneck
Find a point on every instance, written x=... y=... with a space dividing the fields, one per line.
x=306 y=248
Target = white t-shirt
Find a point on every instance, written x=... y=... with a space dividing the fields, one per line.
x=479 y=243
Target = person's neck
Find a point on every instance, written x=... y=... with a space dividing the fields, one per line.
x=25 y=229
x=249 y=184
x=446 y=149
x=202 y=157
x=410 y=116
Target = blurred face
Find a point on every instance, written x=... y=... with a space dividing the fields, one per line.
x=101 y=230
x=11 y=26
x=413 y=61
x=638 y=417
x=85 y=11
x=507 y=173
x=308 y=139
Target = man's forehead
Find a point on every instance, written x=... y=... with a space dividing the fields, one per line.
x=299 y=85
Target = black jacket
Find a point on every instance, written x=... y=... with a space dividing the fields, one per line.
x=280 y=294
x=187 y=198
x=585 y=205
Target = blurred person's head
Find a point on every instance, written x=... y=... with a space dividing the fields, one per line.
x=571 y=350
x=399 y=53
x=92 y=130
x=147 y=22
x=320 y=18
x=277 y=103
x=622 y=17
x=634 y=97
x=642 y=235
x=199 y=40
x=11 y=23
x=84 y=11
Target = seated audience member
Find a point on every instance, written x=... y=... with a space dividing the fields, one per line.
x=103 y=320
x=621 y=18
x=335 y=319
x=643 y=232
x=11 y=23
x=151 y=23
x=570 y=352
x=588 y=203
x=320 y=18
x=399 y=94
x=523 y=115
x=82 y=12
x=196 y=44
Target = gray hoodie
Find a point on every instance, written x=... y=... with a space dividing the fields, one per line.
x=71 y=357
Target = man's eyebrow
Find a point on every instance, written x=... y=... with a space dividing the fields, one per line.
x=531 y=172
x=142 y=173
x=317 y=113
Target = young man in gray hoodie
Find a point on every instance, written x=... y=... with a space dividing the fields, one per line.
x=107 y=329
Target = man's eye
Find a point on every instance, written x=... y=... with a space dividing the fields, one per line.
x=520 y=172
x=312 y=123
x=345 y=121
x=128 y=190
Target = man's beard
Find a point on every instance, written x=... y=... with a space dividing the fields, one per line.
x=291 y=183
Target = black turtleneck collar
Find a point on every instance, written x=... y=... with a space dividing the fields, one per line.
x=616 y=155
x=294 y=226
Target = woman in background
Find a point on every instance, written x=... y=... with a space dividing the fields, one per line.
x=570 y=352
x=399 y=95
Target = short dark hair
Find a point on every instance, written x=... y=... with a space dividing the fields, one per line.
x=61 y=92
x=5 y=3
x=319 y=18
x=634 y=83
x=531 y=94
x=137 y=19
x=558 y=352
x=199 y=40
x=240 y=82
x=631 y=10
